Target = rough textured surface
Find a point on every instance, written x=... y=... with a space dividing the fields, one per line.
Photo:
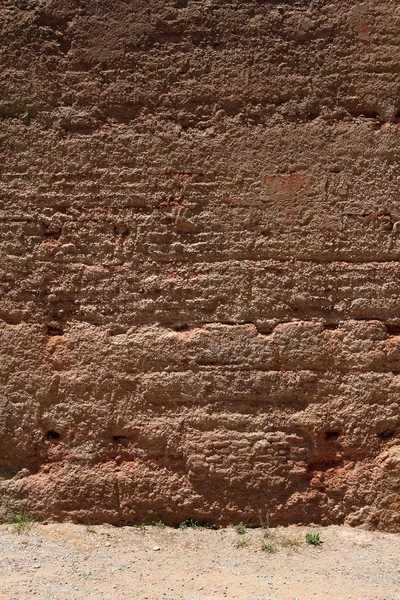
x=73 y=562
x=200 y=244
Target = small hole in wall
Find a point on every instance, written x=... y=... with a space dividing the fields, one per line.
x=52 y=435
x=370 y=114
x=180 y=327
x=386 y=435
x=51 y=231
x=53 y=234
x=265 y=329
x=364 y=114
x=331 y=326
x=393 y=328
x=54 y=330
x=122 y=230
x=332 y=435
x=119 y=439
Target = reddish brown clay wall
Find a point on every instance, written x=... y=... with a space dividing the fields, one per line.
x=200 y=244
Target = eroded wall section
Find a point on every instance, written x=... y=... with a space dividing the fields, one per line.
x=200 y=244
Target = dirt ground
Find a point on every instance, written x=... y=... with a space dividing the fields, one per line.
x=75 y=562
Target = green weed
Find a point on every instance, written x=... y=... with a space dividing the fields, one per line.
x=268 y=548
x=240 y=528
x=313 y=539
x=159 y=523
x=188 y=523
x=23 y=521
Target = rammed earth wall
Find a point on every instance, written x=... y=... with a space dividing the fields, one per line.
x=199 y=272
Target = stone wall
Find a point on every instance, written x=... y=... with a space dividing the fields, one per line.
x=199 y=275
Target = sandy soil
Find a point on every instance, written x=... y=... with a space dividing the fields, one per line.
x=75 y=562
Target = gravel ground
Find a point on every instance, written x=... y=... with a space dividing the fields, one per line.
x=74 y=562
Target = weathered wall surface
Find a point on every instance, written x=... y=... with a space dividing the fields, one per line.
x=200 y=245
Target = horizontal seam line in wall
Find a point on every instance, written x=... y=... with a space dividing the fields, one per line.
x=222 y=368
x=266 y=121
x=209 y=262
x=168 y=326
